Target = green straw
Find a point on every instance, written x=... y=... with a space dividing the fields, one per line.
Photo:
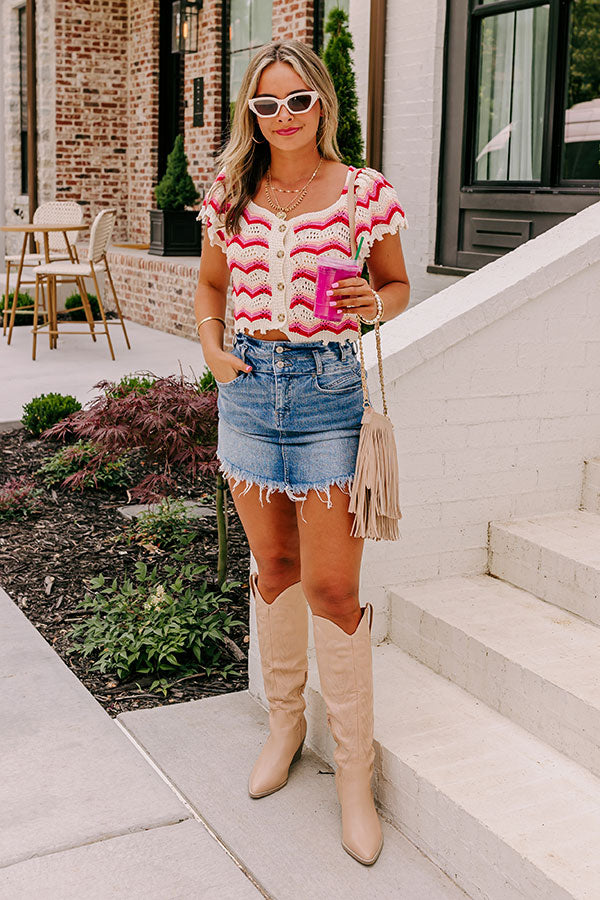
x=359 y=246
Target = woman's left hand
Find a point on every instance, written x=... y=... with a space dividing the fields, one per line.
x=354 y=295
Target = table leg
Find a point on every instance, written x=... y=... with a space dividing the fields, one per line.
x=17 y=286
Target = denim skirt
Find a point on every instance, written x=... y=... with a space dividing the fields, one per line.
x=292 y=423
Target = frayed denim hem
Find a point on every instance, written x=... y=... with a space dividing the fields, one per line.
x=298 y=494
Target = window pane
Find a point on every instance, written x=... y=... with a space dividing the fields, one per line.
x=510 y=97
x=237 y=66
x=328 y=5
x=239 y=29
x=581 y=145
x=261 y=22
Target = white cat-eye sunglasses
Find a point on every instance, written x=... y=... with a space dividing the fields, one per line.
x=267 y=107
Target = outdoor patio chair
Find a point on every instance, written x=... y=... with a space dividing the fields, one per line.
x=100 y=233
x=54 y=212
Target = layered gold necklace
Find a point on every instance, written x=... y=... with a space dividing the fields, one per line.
x=282 y=211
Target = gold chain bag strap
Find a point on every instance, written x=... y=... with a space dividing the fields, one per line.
x=374 y=498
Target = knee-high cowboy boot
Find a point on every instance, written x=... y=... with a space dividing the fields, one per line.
x=346 y=676
x=283 y=641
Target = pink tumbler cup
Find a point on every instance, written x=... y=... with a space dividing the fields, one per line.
x=329 y=271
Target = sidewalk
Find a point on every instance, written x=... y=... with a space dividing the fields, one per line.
x=78 y=363
x=82 y=813
x=154 y=805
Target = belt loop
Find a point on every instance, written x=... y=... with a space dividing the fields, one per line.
x=344 y=349
x=243 y=348
x=318 y=361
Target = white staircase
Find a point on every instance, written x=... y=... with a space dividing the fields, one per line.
x=487 y=718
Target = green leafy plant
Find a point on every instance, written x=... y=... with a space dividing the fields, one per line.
x=338 y=60
x=23 y=300
x=66 y=462
x=20 y=499
x=46 y=410
x=207 y=381
x=167 y=526
x=138 y=383
x=159 y=622
x=74 y=302
x=176 y=190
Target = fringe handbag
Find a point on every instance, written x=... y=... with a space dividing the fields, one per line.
x=374 y=498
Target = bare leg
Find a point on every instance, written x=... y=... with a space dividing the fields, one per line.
x=330 y=559
x=272 y=534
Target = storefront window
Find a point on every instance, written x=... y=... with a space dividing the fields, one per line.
x=511 y=95
x=251 y=26
x=581 y=137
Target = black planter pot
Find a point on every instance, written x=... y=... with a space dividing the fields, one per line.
x=175 y=232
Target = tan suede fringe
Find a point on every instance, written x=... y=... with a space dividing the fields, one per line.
x=374 y=497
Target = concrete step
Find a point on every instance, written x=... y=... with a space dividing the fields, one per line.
x=590 y=494
x=556 y=556
x=290 y=840
x=522 y=656
x=505 y=815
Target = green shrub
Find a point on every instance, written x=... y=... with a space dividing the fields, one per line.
x=46 y=410
x=19 y=499
x=74 y=300
x=158 y=622
x=207 y=381
x=138 y=383
x=23 y=300
x=165 y=527
x=68 y=461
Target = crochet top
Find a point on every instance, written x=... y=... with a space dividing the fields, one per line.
x=273 y=261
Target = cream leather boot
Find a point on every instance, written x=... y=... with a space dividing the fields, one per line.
x=283 y=640
x=346 y=676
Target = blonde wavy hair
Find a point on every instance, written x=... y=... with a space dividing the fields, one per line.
x=246 y=161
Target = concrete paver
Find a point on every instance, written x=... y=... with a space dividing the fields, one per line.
x=177 y=862
x=78 y=363
x=289 y=840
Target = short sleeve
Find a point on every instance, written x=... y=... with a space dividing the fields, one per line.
x=211 y=215
x=378 y=210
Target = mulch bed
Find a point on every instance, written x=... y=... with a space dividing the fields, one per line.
x=44 y=561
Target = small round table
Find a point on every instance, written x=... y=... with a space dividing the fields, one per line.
x=27 y=229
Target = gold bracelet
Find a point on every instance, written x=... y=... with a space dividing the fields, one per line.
x=205 y=319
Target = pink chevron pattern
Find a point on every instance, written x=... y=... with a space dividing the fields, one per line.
x=251 y=292
x=273 y=262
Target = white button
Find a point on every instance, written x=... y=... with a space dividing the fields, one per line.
x=280 y=363
x=280 y=286
x=281 y=317
x=279 y=349
x=280 y=253
x=282 y=227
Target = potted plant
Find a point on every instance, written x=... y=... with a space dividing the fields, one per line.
x=174 y=230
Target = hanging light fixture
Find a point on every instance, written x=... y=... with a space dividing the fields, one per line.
x=184 y=26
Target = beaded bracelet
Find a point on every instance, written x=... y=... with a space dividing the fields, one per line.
x=377 y=315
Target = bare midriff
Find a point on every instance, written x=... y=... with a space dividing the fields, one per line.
x=272 y=335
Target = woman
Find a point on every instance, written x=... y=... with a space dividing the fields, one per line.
x=290 y=401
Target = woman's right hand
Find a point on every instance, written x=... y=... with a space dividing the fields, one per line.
x=225 y=366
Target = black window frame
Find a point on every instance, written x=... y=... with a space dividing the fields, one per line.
x=23 y=99
x=479 y=221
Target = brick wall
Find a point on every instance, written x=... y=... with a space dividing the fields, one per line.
x=142 y=115
x=91 y=105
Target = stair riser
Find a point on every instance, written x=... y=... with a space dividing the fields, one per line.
x=590 y=494
x=546 y=574
x=480 y=862
x=551 y=713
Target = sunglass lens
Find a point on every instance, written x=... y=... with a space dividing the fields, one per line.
x=265 y=107
x=299 y=102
